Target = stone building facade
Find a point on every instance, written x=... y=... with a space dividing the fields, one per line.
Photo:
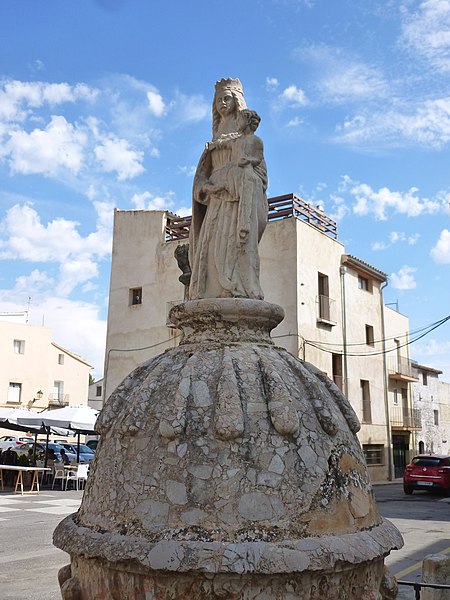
x=334 y=313
x=432 y=398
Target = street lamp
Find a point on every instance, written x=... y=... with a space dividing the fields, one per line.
x=39 y=395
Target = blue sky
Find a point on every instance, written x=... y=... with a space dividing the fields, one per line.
x=106 y=103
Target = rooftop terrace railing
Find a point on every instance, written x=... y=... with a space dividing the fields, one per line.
x=280 y=207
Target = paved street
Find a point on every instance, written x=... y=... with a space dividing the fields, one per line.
x=29 y=562
x=424 y=521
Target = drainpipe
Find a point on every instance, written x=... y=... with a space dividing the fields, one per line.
x=343 y=271
x=385 y=385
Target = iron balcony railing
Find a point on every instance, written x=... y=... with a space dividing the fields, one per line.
x=419 y=586
x=279 y=207
x=326 y=309
x=401 y=366
x=406 y=417
x=56 y=399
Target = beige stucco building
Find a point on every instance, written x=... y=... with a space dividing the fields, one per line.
x=334 y=312
x=37 y=373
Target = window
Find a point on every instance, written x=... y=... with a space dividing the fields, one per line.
x=365 y=397
x=19 y=346
x=135 y=296
x=337 y=371
x=14 y=392
x=424 y=378
x=60 y=359
x=436 y=417
x=324 y=297
x=364 y=283
x=374 y=454
x=421 y=447
x=58 y=391
x=395 y=397
x=98 y=390
x=370 y=340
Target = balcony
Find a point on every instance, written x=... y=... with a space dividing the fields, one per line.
x=326 y=310
x=405 y=418
x=401 y=369
x=58 y=400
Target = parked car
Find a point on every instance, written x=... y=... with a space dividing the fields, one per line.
x=427 y=472
x=86 y=454
x=40 y=451
x=92 y=444
x=12 y=441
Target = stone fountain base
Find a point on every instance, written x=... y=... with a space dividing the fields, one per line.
x=227 y=468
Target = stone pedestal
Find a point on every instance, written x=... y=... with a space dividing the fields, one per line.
x=227 y=468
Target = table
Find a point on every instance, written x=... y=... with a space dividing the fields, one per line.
x=34 y=489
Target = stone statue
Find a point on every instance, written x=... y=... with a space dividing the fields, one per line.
x=229 y=205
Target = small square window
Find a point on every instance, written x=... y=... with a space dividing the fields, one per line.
x=374 y=454
x=135 y=296
x=364 y=283
x=60 y=359
x=19 y=346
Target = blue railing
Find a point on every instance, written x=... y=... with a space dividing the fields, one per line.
x=418 y=586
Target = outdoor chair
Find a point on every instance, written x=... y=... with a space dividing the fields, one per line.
x=79 y=473
x=58 y=473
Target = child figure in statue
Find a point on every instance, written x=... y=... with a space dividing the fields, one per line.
x=229 y=206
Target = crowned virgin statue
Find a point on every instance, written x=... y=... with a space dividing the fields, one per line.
x=229 y=203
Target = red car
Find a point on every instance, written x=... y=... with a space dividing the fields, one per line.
x=427 y=472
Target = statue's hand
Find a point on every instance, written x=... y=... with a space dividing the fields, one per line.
x=243 y=235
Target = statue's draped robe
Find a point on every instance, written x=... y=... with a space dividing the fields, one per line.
x=228 y=224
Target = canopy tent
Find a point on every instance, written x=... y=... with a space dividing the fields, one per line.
x=9 y=419
x=80 y=419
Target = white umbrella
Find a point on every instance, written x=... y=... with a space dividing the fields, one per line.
x=77 y=418
x=9 y=419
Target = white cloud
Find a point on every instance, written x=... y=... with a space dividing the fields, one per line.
x=115 y=154
x=187 y=170
x=377 y=246
x=424 y=124
x=75 y=272
x=378 y=202
x=25 y=237
x=427 y=32
x=343 y=77
x=46 y=151
x=295 y=122
x=403 y=279
x=293 y=96
x=441 y=250
x=272 y=83
x=18 y=97
x=190 y=109
x=148 y=201
x=156 y=104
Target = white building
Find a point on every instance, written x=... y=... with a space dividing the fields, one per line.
x=333 y=302
x=37 y=373
x=95 y=394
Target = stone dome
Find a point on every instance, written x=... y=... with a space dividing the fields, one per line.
x=227 y=453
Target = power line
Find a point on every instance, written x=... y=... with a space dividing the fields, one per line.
x=379 y=352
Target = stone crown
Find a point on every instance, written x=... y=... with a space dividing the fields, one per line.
x=229 y=84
